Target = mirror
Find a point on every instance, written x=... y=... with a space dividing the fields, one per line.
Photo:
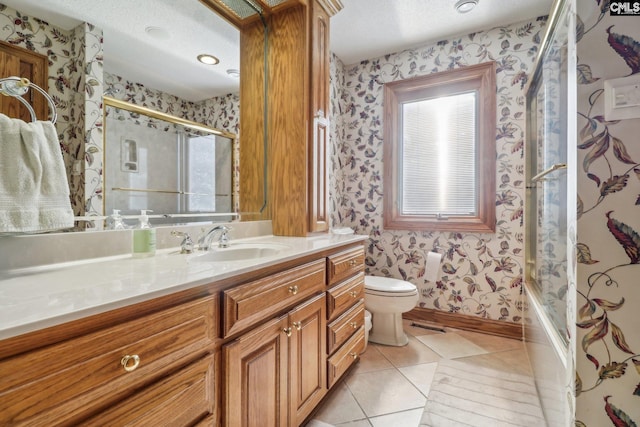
x=86 y=61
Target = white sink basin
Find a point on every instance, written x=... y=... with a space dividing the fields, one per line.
x=240 y=252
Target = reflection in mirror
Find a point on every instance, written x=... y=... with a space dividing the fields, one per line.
x=83 y=43
x=180 y=170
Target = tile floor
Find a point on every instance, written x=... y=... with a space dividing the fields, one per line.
x=390 y=385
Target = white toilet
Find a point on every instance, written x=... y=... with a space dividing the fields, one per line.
x=387 y=298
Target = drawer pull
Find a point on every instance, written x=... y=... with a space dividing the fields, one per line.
x=287 y=331
x=293 y=289
x=125 y=362
x=297 y=325
x=353 y=262
x=354 y=325
x=353 y=293
x=354 y=354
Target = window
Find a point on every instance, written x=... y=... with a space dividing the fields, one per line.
x=440 y=151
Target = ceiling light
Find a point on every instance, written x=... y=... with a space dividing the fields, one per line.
x=158 y=33
x=208 y=59
x=233 y=73
x=464 y=6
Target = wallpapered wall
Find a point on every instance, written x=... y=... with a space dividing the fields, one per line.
x=481 y=274
x=608 y=296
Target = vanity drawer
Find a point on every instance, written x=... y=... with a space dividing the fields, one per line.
x=248 y=304
x=344 y=264
x=177 y=400
x=346 y=356
x=344 y=326
x=344 y=295
x=64 y=381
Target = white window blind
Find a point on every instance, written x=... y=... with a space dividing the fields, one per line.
x=439 y=156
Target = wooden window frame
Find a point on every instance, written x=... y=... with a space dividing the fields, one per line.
x=480 y=77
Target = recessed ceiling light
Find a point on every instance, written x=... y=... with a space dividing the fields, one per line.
x=464 y=6
x=158 y=33
x=233 y=72
x=208 y=59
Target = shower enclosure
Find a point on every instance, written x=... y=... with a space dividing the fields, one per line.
x=550 y=213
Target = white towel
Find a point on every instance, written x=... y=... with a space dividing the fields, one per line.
x=34 y=190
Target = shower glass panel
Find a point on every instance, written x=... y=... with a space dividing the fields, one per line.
x=546 y=214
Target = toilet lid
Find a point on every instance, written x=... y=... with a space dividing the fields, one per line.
x=387 y=284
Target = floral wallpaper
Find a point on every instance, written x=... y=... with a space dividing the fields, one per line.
x=607 y=344
x=481 y=274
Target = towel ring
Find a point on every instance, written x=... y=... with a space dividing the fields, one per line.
x=18 y=86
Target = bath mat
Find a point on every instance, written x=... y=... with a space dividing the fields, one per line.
x=463 y=394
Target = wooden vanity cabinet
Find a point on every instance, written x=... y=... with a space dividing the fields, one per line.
x=298 y=117
x=259 y=353
x=156 y=367
x=275 y=374
x=345 y=311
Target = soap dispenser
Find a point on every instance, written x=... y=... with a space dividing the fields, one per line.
x=144 y=237
x=115 y=221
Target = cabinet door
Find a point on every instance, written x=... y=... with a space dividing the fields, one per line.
x=308 y=358
x=20 y=62
x=256 y=368
x=319 y=137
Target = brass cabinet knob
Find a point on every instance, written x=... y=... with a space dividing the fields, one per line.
x=354 y=355
x=354 y=325
x=297 y=325
x=353 y=294
x=353 y=262
x=287 y=331
x=293 y=289
x=130 y=358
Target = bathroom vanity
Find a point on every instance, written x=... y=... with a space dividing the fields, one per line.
x=180 y=340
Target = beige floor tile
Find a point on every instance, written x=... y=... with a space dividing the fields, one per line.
x=384 y=392
x=514 y=361
x=413 y=353
x=405 y=419
x=420 y=376
x=451 y=345
x=372 y=360
x=357 y=423
x=491 y=342
x=340 y=407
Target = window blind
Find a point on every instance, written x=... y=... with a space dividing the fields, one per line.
x=439 y=152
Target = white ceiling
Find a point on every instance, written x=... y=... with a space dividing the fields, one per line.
x=363 y=29
x=366 y=29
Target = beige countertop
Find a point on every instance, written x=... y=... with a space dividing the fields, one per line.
x=39 y=297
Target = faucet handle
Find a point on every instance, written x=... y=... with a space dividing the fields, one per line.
x=224 y=240
x=186 y=246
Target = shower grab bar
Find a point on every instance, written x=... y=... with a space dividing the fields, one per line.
x=546 y=172
x=18 y=86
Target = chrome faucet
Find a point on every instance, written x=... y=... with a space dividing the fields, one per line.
x=204 y=242
x=186 y=246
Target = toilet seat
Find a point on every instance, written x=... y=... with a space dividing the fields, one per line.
x=376 y=285
x=391 y=294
